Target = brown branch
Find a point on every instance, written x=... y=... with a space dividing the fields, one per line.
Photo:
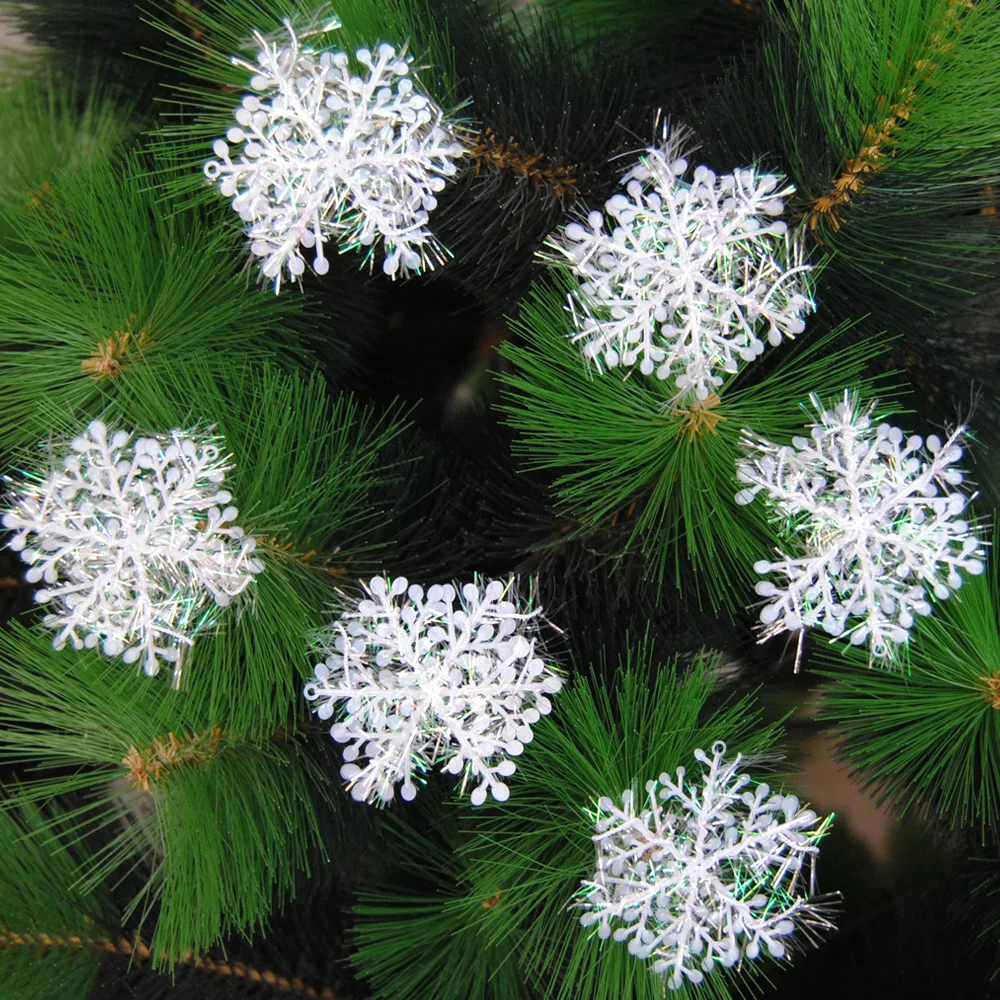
x=36 y=198
x=140 y=953
x=991 y=689
x=106 y=361
x=879 y=139
x=290 y=552
x=492 y=901
x=506 y=155
x=700 y=416
x=148 y=765
x=187 y=12
x=991 y=198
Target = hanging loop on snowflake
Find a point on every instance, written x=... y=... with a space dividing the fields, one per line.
x=327 y=153
x=704 y=870
x=450 y=675
x=134 y=541
x=874 y=522
x=684 y=278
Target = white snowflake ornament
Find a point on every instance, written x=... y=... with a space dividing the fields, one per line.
x=446 y=675
x=686 y=280
x=704 y=871
x=876 y=520
x=134 y=542
x=324 y=152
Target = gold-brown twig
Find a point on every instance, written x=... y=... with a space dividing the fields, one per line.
x=700 y=416
x=187 y=11
x=288 y=550
x=37 y=197
x=106 y=361
x=139 y=952
x=991 y=689
x=149 y=764
x=488 y=904
x=879 y=139
x=489 y=150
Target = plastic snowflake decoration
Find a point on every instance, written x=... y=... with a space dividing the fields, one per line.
x=326 y=153
x=703 y=873
x=133 y=540
x=876 y=523
x=442 y=676
x=685 y=278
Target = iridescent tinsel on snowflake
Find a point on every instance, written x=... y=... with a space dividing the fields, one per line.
x=874 y=521
x=705 y=872
x=687 y=278
x=442 y=676
x=133 y=541
x=327 y=153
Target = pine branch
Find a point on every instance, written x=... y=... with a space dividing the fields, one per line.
x=881 y=137
x=228 y=819
x=625 y=446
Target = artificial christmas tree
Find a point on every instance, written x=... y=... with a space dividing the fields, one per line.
x=454 y=478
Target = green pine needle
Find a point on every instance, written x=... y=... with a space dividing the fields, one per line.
x=929 y=735
x=51 y=932
x=107 y=282
x=214 y=824
x=50 y=129
x=415 y=941
x=901 y=93
x=619 y=451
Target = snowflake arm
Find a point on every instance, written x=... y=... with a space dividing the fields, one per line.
x=876 y=522
x=447 y=676
x=328 y=154
x=133 y=540
x=684 y=279
x=701 y=874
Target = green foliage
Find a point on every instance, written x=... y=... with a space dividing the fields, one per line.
x=901 y=94
x=928 y=735
x=618 y=447
x=931 y=59
x=537 y=848
x=107 y=282
x=51 y=931
x=671 y=45
x=305 y=468
x=213 y=824
x=415 y=940
x=50 y=130
x=210 y=33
